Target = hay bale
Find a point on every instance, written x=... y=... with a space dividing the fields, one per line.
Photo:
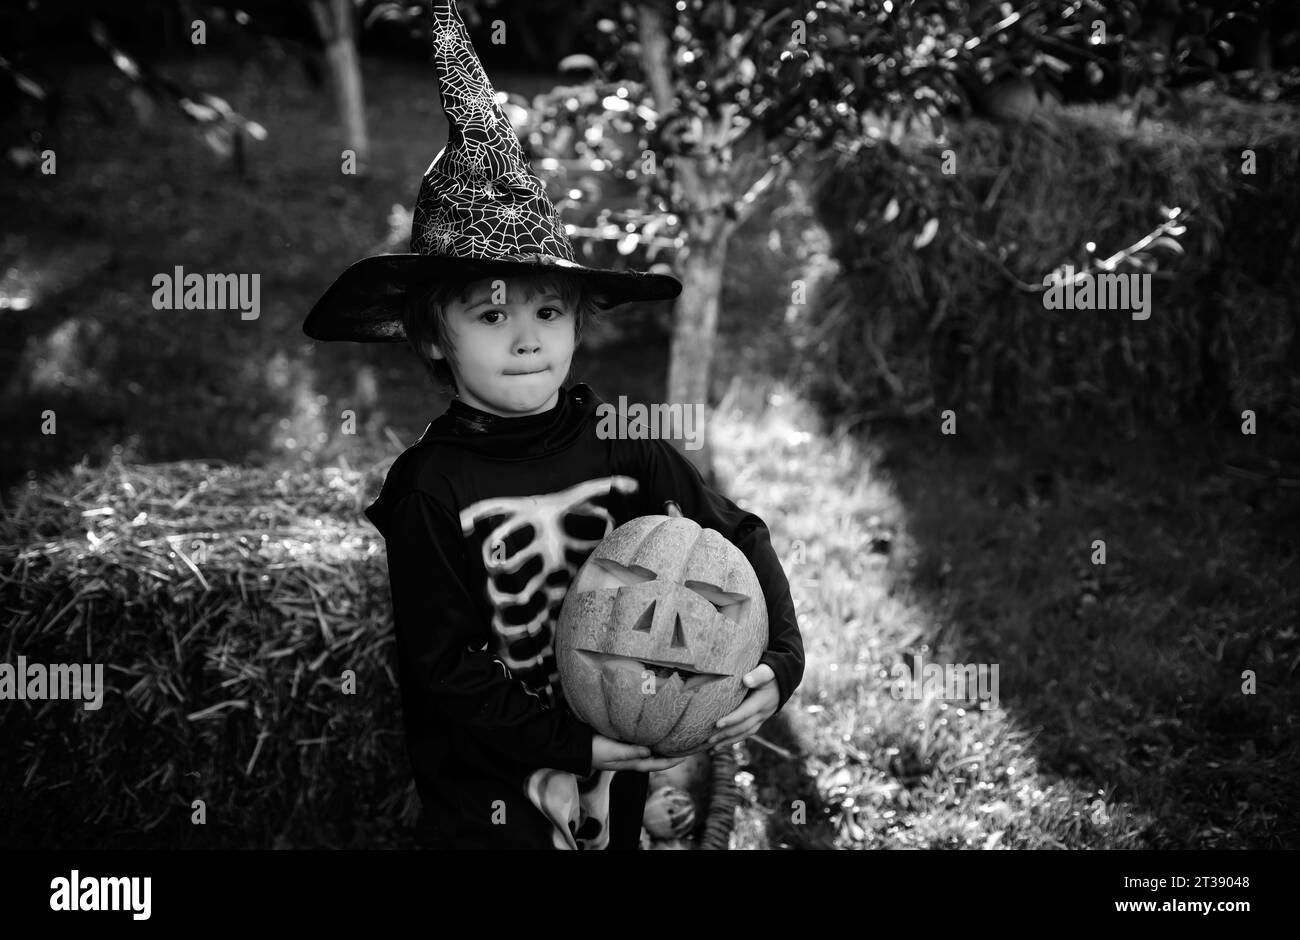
x=225 y=604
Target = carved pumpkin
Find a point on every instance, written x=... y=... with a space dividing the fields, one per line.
x=669 y=813
x=658 y=629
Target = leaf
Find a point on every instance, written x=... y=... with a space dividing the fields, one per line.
x=577 y=63
x=1165 y=241
x=29 y=87
x=928 y=232
x=627 y=244
x=891 y=211
x=385 y=12
x=218 y=139
x=198 y=112
x=1055 y=64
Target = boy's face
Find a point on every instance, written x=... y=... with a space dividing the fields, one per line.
x=512 y=346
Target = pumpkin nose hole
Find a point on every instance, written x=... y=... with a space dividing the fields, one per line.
x=679 y=638
x=646 y=619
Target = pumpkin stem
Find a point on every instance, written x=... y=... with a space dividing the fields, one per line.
x=672 y=508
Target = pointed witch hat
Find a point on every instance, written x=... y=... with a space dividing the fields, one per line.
x=480 y=213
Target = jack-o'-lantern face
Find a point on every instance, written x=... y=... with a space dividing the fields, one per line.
x=657 y=631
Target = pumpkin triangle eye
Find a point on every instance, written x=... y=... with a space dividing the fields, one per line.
x=724 y=601
x=614 y=574
x=646 y=620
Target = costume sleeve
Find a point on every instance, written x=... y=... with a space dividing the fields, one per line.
x=438 y=635
x=667 y=474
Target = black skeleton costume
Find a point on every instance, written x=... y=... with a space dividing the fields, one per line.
x=487 y=520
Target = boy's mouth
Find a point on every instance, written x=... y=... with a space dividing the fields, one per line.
x=528 y=372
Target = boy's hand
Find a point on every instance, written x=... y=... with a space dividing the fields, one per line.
x=608 y=754
x=759 y=705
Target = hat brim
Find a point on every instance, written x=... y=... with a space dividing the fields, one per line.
x=364 y=305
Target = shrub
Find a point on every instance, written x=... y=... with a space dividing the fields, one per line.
x=960 y=323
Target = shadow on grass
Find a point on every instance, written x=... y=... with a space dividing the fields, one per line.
x=1164 y=678
x=798 y=815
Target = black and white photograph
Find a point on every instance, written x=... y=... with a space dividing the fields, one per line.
x=854 y=426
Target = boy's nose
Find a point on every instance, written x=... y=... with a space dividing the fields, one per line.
x=528 y=341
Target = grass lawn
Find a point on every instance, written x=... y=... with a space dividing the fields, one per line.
x=1121 y=720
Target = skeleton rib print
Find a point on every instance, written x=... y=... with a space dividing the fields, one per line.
x=531 y=559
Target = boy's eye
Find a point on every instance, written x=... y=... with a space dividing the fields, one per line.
x=546 y=313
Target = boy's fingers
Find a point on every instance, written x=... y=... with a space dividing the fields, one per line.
x=646 y=765
x=754 y=703
x=658 y=763
x=740 y=714
x=737 y=733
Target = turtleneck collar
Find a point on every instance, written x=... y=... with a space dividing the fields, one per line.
x=519 y=438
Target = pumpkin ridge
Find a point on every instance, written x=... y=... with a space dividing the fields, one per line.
x=653 y=537
x=676 y=724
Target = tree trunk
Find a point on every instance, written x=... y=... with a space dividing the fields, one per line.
x=695 y=326
x=335 y=24
x=707 y=189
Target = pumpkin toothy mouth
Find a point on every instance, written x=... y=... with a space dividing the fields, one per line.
x=609 y=664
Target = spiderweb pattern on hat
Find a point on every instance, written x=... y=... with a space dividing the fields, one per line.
x=479 y=198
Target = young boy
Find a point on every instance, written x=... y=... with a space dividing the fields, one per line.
x=489 y=515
